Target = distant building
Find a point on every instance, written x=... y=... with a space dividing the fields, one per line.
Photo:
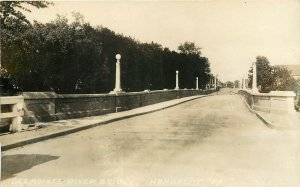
x=294 y=69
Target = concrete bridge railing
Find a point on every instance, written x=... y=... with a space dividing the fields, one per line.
x=49 y=106
x=278 y=102
x=11 y=112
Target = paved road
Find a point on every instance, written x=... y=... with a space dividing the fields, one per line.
x=211 y=141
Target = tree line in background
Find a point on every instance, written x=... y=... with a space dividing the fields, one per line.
x=78 y=58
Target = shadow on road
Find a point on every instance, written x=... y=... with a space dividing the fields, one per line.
x=13 y=164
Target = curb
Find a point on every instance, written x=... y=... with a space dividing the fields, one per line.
x=77 y=129
x=266 y=122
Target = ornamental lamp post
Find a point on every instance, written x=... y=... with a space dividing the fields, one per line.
x=118 y=88
x=177 y=81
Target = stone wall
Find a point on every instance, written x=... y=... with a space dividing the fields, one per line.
x=49 y=106
x=279 y=102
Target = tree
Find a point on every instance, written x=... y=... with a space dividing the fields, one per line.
x=13 y=21
x=282 y=80
x=6 y=85
x=194 y=65
x=264 y=74
x=13 y=25
x=78 y=58
x=11 y=10
x=189 y=48
x=272 y=78
x=236 y=83
x=229 y=84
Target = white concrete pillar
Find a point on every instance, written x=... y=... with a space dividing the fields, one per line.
x=118 y=75
x=254 y=79
x=16 y=124
x=244 y=84
x=197 y=84
x=177 y=80
x=216 y=82
x=241 y=83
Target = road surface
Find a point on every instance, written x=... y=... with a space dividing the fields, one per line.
x=211 y=141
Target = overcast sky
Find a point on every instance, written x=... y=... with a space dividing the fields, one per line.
x=231 y=33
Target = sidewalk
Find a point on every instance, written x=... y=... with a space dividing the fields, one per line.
x=277 y=121
x=63 y=127
x=280 y=121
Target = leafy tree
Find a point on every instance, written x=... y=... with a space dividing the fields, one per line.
x=13 y=21
x=11 y=10
x=189 y=48
x=193 y=65
x=6 y=85
x=264 y=74
x=282 y=80
x=236 y=83
x=272 y=78
x=13 y=25
x=229 y=84
x=77 y=58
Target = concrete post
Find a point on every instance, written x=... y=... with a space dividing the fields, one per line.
x=177 y=81
x=118 y=88
x=254 y=79
x=16 y=124
x=244 y=84
x=197 y=85
x=216 y=82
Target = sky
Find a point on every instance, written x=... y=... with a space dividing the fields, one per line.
x=231 y=33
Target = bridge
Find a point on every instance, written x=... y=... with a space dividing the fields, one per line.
x=208 y=141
